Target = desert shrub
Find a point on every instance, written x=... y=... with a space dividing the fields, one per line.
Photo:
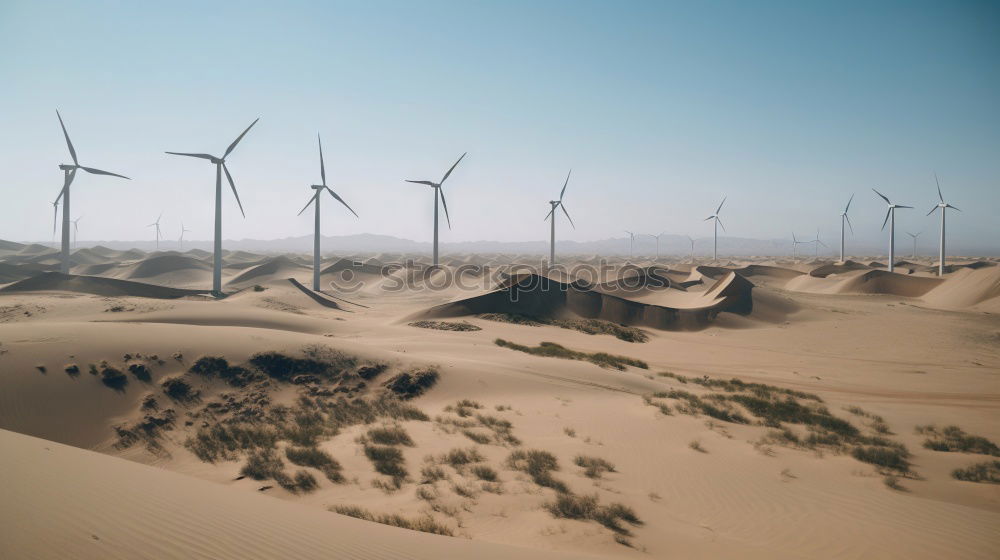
x=484 y=472
x=179 y=389
x=593 y=467
x=774 y=412
x=141 y=372
x=214 y=366
x=987 y=471
x=262 y=465
x=389 y=435
x=432 y=473
x=317 y=459
x=113 y=378
x=885 y=458
x=539 y=466
x=72 y=369
x=572 y=506
x=953 y=438
x=282 y=367
x=477 y=437
x=553 y=350
x=387 y=460
x=464 y=408
x=459 y=457
x=426 y=523
x=445 y=326
x=696 y=445
x=225 y=441
x=410 y=384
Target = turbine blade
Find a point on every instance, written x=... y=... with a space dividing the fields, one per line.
x=563 y=191
x=720 y=223
x=720 y=206
x=933 y=209
x=100 y=172
x=452 y=169
x=202 y=156
x=848 y=207
x=445 y=204
x=567 y=215
x=69 y=143
x=428 y=183
x=240 y=137
x=322 y=165
x=903 y=206
x=233 y=185
x=938 y=186
x=708 y=218
x=543 y=219
x=311 y=200
x=341 y=200
x=55 y=216
x=846 y=217
x=821 y=243
x=883 y=197
x=953 y=207
x=66 y=181
x=887 y=212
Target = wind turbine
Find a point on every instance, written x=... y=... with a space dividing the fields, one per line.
x=844 y=218
x=318 y=190
x=631 y=241
x=796 y=242
x=76 y=229
x=915 y=236
x=183 y=230
x=439 y=192
x=943 y=206
x=691 y=239
x=657 y=242
x=718 y=222
x=69 y=173
x=890 y=218
x=157 y=225
x=818 y=243
x=552 y=214
x=55 y=217
x=220 y=166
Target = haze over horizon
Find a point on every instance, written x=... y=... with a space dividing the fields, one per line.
x=786 y=109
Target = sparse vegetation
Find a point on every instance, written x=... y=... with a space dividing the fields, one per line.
x=891 y=481
x=410 y=384
x=460 y=457
x=884 y=458
x=141 y=372
x=987 y=471
x=593 y=467
x=178 y=389
x=445 y=326
x=72 y=369
x=464 y=408
x=425 y=523
x=484 y=472
x=389 y=435
x=387 y=460
x=572 y=506
x=589 y=326
x=477 y=437
x=113 y=378
x=317 y=459
x=553 y=350
x=953 y=438
x=539 y=465
x=696 y=445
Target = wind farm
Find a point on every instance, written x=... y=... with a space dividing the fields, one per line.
x=337 y=374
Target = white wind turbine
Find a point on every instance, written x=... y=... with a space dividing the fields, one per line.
x=76 y=229
x=69 y=173
x=818 y=243
x=438 y=192
x=844 y=218
x=890 y=218
x=156 y=224
x=943 y=206
x=914 y=236
x=631 y=242
x=691 y=239
x=718 y=222
x=220 y=166
x=318 y=191
x=181 y=240
x=552 y=214
x=657 y=237
x=795 y=243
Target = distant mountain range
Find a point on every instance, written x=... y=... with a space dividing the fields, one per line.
x=646 y=246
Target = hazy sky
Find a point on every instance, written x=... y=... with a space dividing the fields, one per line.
x=660 y=108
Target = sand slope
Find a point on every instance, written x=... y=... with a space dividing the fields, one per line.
x=58 y=282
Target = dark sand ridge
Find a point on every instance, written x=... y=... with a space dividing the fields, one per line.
x=109 y=287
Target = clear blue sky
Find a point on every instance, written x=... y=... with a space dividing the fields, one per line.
x=660 y=108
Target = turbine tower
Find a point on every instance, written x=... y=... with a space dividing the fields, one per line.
x=943 y=206
x=631 y=241
x=795 y=243
x=318 y=190
x=818 y=243
x=718 y=222
x=657 y=243
x=181 y=240
x=156 y=224
x=691 y=239
x=890 y=218
x=915 y=236
x=76 y=229
x=69 y=173
x=220 y=166
x=438 y=192
x=844 y=218
x=552 y=214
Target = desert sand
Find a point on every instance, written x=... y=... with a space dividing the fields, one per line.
x=119 y=440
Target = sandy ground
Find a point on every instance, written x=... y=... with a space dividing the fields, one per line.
x=909 y=347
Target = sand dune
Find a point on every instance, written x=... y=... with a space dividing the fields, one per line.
x=58 y=282
x=866 y=282
x=272 y=269
x=966 y=288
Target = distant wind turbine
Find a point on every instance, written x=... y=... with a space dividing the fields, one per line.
x=890 y=218
x=69 y=173
x=943 y=206
x=76 y=229
x=183 y=231
x=691 y=239
x=657 y=237
x=795 y=243
x=718 y=222
x=220 y=166
x=631 y=242
x=818 y=243
x=915 y=236
x=438 y=192
x=843 y=219
x=156 y=224
x=318 y=190
x=552 y=214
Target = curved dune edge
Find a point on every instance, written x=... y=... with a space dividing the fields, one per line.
x=64 y=502
x=530 y=294
x=96 y=285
